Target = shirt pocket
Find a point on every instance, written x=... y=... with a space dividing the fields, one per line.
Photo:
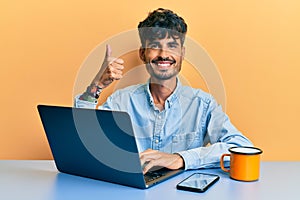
x=186 y=141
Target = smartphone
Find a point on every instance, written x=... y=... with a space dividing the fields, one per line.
x=198 y=182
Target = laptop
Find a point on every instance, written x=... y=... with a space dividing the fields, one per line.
x=97 y=144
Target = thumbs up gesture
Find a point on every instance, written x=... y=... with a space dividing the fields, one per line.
x=111 y=70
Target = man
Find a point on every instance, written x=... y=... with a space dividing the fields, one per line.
x=176 y=126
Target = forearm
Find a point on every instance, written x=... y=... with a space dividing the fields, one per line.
x=209 y=156
x=204 y=157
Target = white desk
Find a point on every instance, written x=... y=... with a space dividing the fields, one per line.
x=39 y=180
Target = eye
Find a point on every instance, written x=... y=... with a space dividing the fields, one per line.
x=173 y=45
x=153 y=46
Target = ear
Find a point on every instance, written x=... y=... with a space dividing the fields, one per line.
x=183 y=52
x=142 y=54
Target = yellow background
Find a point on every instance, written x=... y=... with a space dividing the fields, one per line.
x=254 y=43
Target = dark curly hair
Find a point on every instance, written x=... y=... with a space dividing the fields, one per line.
x=160 y=23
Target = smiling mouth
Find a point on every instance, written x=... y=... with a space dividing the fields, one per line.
x=163 y=64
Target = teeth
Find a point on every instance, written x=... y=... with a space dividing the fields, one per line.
x=164 y=65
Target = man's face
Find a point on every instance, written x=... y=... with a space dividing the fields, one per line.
x=163 y=57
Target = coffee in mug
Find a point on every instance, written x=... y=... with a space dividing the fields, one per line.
x=244 y=163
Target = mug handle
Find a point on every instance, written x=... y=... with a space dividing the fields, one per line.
x=222 y=163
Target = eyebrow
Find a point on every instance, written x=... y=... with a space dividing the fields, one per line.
x=174 y=42
x=157 y=42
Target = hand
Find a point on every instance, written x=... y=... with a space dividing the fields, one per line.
x=157 y=158
x=112 y=67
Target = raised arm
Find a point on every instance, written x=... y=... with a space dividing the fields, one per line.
x=111 y=69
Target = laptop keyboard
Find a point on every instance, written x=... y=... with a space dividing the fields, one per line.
x=152 y=175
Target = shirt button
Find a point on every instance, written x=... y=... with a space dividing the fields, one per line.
x=156 y=141
x=159 y=117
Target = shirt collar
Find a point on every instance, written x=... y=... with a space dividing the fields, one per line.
x=170 y=100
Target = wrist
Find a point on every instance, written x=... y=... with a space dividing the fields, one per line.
x=92 y=93
x=97 y=91
x=94 y=90
x=180 y=161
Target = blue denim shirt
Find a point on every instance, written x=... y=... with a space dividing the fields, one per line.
x=192 y=123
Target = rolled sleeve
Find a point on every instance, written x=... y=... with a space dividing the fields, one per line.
x=83 y=104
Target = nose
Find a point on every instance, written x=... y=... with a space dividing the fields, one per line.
x=163 y=53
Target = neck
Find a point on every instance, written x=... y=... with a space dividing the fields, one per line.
x=161 y=90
